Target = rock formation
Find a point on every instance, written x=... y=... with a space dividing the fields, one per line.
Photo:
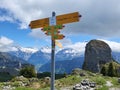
x=96 y=53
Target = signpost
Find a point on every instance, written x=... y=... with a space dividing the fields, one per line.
x=60 y=19
x=51 y=26
x=67 y=18
x=39 y=23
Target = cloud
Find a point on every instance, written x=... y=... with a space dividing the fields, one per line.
x=79 y=46
x=38 y=34
x=5 y=41
x=6 y=18
x=115 y=46
x=5 y=44
x=99 y=18
x=65 y=42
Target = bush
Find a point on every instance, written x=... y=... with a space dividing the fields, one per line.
x=104 y=71
x=111 y=70
x=28 y=72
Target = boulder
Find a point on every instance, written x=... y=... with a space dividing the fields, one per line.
x=47 y=80
x=97 y=53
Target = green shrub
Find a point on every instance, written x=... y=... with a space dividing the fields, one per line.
x=111 y=70
x=104 y=71
x=28 y=72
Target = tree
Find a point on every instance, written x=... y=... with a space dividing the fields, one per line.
x=28 y=72
x=104 y=71
x=111 y=71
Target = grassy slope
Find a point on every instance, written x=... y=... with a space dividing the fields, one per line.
x=71 y=80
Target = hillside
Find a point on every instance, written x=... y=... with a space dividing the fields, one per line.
x=65 y=66
x=66 y=83
x=10 y=63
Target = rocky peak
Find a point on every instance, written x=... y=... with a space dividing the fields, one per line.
x=97 y=52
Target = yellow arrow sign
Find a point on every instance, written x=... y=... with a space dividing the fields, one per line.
x=61 y=19
x=67 y=18
x=39 y=23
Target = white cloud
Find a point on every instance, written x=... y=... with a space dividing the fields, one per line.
x=98 y=17
x=5 y=41
x=79 y=46
x=5 y=44
x=37 y=33
x=115 y=46
x=6 y=18
x=66 y=41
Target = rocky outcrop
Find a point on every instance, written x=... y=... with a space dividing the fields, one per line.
x=96 y=53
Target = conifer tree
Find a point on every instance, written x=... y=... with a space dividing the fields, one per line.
x=104 y=71
x=111 y=71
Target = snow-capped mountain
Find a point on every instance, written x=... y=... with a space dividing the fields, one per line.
x=67 y=57
x=24 y=53
x=68 y=54
x=40 y=57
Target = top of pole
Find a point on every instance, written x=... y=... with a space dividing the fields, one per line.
x=53 y=14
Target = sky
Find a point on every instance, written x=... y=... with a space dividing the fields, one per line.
x=100 y=20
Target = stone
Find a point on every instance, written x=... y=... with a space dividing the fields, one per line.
x=33 y=80
x=47 y=80
x=92 y=84
x=85 y=85
x=97 y=53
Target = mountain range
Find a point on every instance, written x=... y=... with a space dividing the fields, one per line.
x=65 y=66
x=41 y=57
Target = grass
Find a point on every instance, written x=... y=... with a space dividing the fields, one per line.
x=103 y=88
x=99 y=79
x=26 y=88
x=23 y=88
x=69 y=80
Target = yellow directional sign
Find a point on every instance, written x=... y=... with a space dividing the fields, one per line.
x=39 y=23
x=67 y=18
x=60 y=19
